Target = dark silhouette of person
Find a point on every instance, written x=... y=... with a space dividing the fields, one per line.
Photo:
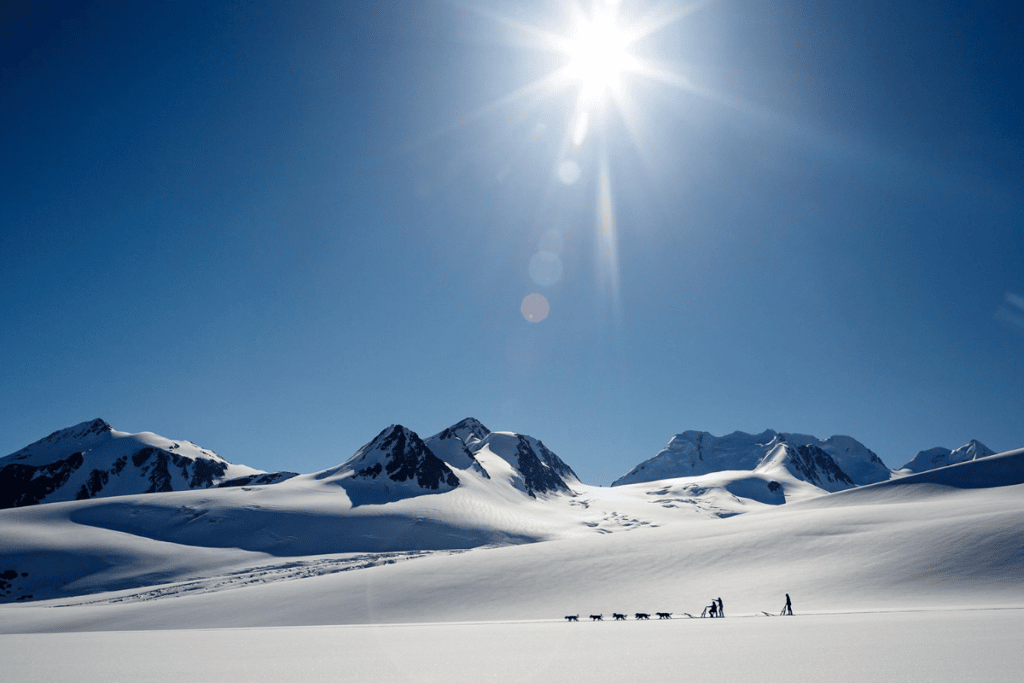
x=721 y=608
x=714 y=609
x=788 y=609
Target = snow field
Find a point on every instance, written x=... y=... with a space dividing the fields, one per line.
x=910 y=647
x=923 y=547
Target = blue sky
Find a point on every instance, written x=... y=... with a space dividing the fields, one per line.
x=274 y=229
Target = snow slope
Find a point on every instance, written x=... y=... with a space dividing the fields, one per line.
x=115 y=543
x=951 y=538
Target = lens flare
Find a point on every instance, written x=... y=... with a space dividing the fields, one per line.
x=535 y=307
x=1012 y=311
x=607 y=235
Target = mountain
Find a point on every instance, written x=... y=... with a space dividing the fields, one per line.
x=469 y=431
x=809 y=463
x=531 y=467
x=832 y=464
x=941 y=457
x=396 y=464
x=456 y=445
x=92 y=459
x=538 y=470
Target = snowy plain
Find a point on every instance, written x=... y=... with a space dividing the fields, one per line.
x=909 y=647
x=917 y=579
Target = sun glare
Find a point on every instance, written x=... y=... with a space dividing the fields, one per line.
x=600 y=47
x=598 y=50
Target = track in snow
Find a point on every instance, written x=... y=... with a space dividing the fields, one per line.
x=263 y=574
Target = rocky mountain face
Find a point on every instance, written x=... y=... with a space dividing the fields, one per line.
x=934 y=458
x=539 y=471
x=832 y=464
x=403 y=465
x=397 y=455
x=469 y=431
x=264 y=479
x=457 y=445
x=92 y=459
x=809 y=463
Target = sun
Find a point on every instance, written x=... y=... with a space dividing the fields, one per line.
x=601 y=53
x=598 y=51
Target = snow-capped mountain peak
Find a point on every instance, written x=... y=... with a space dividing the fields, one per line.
x=808 y=462
x=526 y=463
x=470 y=431
x=537 y=469
x=92 y=460
x=455 y=445
x=832 y=464
x=395 y=464
x=70 y=439
x=934 y=458
x=859 y=462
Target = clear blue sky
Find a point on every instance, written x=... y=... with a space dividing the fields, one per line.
x=276 y=228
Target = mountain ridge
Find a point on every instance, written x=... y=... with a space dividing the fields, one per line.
x=510 y=490
x=836 y=462
x=81 y=462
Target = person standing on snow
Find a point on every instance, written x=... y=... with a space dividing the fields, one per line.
x=721 y=608
x=788 y=609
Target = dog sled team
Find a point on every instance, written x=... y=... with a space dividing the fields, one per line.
x=716 y=610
